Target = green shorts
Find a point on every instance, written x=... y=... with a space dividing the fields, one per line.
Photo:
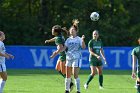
x=62 y=58
x=96 y=63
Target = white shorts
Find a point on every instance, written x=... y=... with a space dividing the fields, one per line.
x=74 y=63
x=2 y=67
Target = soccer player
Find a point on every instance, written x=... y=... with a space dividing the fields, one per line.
x=136 y=55
x=96 y=51
x=73 y=56
x=59 y=40
x=3 y=55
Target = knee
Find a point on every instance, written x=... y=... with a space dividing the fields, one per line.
x=93 y=74
x=100 y=72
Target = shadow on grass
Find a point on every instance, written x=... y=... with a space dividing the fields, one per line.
x=46 y=71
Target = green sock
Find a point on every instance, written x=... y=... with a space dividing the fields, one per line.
x=90 y=77
x=62 y=74
x=101 y=80
x=138 y=89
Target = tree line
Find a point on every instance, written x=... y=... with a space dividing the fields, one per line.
x=29 y=22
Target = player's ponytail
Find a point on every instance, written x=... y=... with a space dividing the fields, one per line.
x=64 y=31
x=75 y=23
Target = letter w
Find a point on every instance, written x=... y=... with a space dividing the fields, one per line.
x=39 y=59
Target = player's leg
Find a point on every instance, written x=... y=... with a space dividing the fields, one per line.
x=63 y=67
x=91 y=76
x=76 y=78
x=99 y=70
x=138 y=85
x=68 y=76
x=58 y=68
x=76 y=68
x=138 y=82
x=3 y=75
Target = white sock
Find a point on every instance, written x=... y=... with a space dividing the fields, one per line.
x=67 y=83
x=77 y=83
x=2 y=86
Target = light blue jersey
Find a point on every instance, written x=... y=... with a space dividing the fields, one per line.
x=74 y=48
x=2 y=50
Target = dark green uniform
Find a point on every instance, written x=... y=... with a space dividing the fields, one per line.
x=61 y=40
x=96 y=46
x=136 y=52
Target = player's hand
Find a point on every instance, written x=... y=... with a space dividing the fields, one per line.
x=53 y=55
x=105 y=61
x=11 y=56
x=83 y=37
x=47 y=41
x=98 y=57
x=133 y=75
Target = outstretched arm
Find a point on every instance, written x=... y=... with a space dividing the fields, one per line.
x=50 y=40
x=6 y=55
x=60 y=48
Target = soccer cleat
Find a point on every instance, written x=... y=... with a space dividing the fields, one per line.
x=101 y=87
x=78 y=92
x=71 y=86
x=67 y=91
x=86 y=86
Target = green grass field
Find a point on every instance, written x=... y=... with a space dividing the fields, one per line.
x=49 y=81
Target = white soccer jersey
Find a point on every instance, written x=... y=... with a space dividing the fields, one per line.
x=74 y=47
x=2 y=50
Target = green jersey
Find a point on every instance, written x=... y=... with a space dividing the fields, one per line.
x=96 y=47
x=136 y=52
x=60 y=40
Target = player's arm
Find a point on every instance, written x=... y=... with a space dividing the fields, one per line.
x=102 y=54
x=60 y=48
x=6 y=55
x=134 y=59
x=83 y=42
x=50 y=40
x=10 y=55
x=94 y=54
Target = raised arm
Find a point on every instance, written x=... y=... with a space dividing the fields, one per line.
x=83 y=42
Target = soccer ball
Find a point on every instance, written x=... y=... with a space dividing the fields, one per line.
x=94 y=16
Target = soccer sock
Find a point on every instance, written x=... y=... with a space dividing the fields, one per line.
x=101 y=80
x=138 y=87
x=67 y=84
x=62 y=74
x=90 y=77
x=77 y=83
x=2 y=86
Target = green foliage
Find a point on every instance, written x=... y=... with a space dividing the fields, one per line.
x=29 y=22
